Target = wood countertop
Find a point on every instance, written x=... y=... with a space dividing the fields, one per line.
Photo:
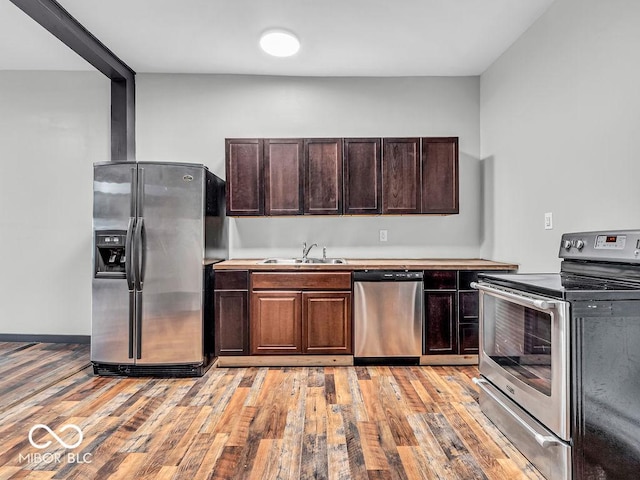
x=371 y=264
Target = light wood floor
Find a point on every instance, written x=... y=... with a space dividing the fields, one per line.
x=254 y=423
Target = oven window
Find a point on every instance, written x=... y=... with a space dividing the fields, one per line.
x=519 y=340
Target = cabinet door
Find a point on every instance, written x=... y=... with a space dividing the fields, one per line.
x=469 y=307
x=362 y=176
x=440 y=175
x=326 y=322
x=283 y=168
x=245 y=177
x=323 y=176
x=468 y=333
x=440 y=322
x=276 y=319
x=401 y=175
x=231 y=322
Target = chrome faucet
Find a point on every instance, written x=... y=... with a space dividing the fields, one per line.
x=306 y=250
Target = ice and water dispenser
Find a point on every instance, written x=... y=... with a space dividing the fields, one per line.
x=110 y=254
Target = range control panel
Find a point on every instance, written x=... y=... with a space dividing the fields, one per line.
x=615 y=246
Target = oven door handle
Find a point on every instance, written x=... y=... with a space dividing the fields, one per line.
x=543 y=440
x=540 y=304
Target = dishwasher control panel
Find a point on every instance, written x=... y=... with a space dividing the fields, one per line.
x=387 y=276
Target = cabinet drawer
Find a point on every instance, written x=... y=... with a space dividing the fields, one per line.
x=440 y=280
x=231 y=280
x=301 y=280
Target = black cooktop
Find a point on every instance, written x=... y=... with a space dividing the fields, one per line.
x=565 y=286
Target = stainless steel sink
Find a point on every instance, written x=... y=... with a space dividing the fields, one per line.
x=287 y=261
x=328 y=261
x=298 y=261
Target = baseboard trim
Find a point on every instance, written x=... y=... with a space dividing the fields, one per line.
x=284 y=361
x=443 y=360
x=27 y=338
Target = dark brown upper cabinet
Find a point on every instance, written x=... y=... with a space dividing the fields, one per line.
x=331 y=176
x=440 y=175
x=401 y=179
x=245 y=176
x=323 y=176
x=283 y=173
x=362 y=176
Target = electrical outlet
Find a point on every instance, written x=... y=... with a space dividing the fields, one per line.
x=383 y=235
x=548 y=221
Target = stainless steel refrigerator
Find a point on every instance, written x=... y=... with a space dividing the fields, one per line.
x=158 y=228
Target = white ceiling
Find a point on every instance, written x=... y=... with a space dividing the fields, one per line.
x=338 y=37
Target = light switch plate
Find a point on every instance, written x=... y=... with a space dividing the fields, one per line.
x=548 y=221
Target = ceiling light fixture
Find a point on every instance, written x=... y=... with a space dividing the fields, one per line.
x=279 y=43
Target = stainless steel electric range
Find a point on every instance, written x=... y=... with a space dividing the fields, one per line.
x=560 y=358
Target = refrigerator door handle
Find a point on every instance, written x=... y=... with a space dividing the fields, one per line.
x=128 y=253
x=134 y=187
x=140 y=195
x=132 y=309
x=138 y=295
x=140 y=253
x=129 y=273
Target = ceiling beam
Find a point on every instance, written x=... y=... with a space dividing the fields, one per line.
x=54 y=18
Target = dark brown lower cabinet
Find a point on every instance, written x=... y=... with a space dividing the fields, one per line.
x=292 y=322
x=231 y=310
x=451 y=312
x=326 y=322
x=440 y=322
x=276 y=323
x=232 y=319
x=468 y=338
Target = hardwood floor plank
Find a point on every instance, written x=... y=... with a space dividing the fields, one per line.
x=164 y=453
x=342 y=386
x=404 y=379
x=209 y=461
x=229 y=465
x=371 y=400
x=338 y=462
x=293 y=434
x=396 y=412
x=462 y=462
x=415 y=464
x=240 y=432
x=127 y=463
x=267 y=459
x=390 y=449
x=7 y=472
x=354 y=444
x=314 y=461
x=256 y=387
x=374 y=456
x=330 y=388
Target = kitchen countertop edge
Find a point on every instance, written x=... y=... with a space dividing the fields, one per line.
x=372 y=264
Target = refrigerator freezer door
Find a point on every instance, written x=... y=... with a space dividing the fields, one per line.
x=171 y=202
x=112 y=319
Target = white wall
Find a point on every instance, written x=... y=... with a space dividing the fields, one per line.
x=560 y=130
x=53 y=126
x=187 y=118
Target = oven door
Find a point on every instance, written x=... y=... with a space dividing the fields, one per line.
x=524 y=352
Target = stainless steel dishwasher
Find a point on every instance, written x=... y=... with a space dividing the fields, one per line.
x=388 y=311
